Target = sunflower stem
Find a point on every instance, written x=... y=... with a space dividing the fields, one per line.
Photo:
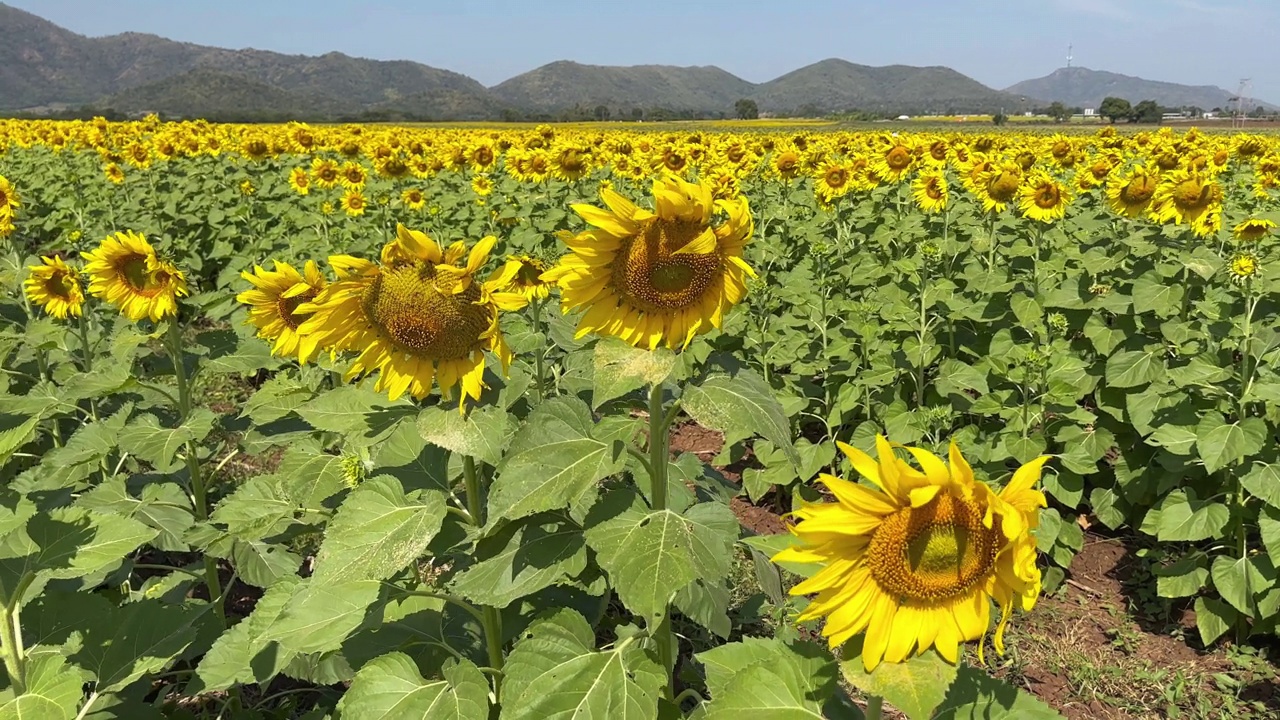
x=539 y=377
x=875 y=708
x=659 y=424
x=490 y=620
x=87 y=366
x=199 y=494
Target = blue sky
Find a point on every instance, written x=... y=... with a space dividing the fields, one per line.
x=1200 y=42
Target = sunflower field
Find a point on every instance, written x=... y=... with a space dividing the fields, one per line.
x=383 y=422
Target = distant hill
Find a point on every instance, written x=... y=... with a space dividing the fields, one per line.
x=209 y=94
x=1083 y=87
x=567 y=84
x=834 y=85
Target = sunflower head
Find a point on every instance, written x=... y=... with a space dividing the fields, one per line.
x=126 y=272
x=657 y=276
x=930 y=191
x=55 y=286
x=418 y=319
x=273 y=306
x=1244 y=266
x=1253 y=229
x=526 y=277
x=1130 y=194
x=1043 y=198
x=914 y=558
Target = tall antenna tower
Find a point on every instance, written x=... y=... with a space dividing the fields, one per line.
x=1069 y=56
x=1241 y=98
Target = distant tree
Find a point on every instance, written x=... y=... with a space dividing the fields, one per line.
x=746 y=109
x=1114 y=108
x=602 y=112
x=1057 y=111
x=1258 y=112
x=637 y=114
x=1147 y=111
x=999 y=118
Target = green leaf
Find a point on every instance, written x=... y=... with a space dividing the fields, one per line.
x=1213 y=619
x=263 y=564
x=768 y=679
x=534 y=554
x=707 y=604
x=1237 y=580
x=257 y=509
x=70 y=543
x=344 y=409
x=954 y=377
x=1186 y=518
x=554 y=462
x=1263 y=482
x=915 y=687
x=652 y=555
x=743 y=405
x=555 y=673
x=977 y=696
x=1162 y=298
x=1269 y=529
x=275 y=399
x=246 y=653
x=378 y=531
x=319 y=616
x=1184 y=578
x=1134 y=368
x=391 y=688
x=139 y=638
x=54 y=690
x=1177 y=439
x=481 y=434
x=621 y=368
x=145 y=438
x=15 y=431
x=1220 y=443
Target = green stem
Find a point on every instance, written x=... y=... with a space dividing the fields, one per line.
x=875 y=708
x=15 y=660
x=87 y=359
x=924 y=319
x=45 y=375
x=490 y=620
x=539 y=367
x=658 y=449
x=665 y=638
x=199 y=494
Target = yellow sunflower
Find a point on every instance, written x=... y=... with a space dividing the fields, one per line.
x=1130 y=194
x=896 y=162
x=834 y=181
x=300 y=181
x=413 y=199
x=481 y=185
x=55 y=286
x=8 y=198
x=998 y=186
x=526 y=277
x=354 y=203
x=114 y=174
x=325 y=172
x=653 y=276
x=126 y=272
x=915 y=560
x=418 y=319
x=1253 y=229
x=273 y=306
x=930 y=191
x=1183 y=197
x=1043 y=198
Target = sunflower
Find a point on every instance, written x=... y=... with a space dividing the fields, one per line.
x=572 y=164
x=998 y=186
x=481 y=185
x=930 y=191
x=325 y=172
x=895 y=163
x=300 y=181
x=1130 y=194
x=8 y=198
x=126 y=272
x=1243 y=267
x=787 y=164
x=1183 y=197
x=833 y=181
x=649 y=276
x=526 y=277
x=413 y=199
x=55 y=286
x=1253 y=229
x=247 y=188
x=352 y=175
x=273 y=306
x=915 y=560
x=114 y=174
x=419 y=319
x=1043 y=198
x=354 y=203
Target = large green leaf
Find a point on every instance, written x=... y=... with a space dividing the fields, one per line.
x=53 y=692
x=138 y=638
x=554 y=462
x=246 y=653
x=652 y=555
x=69 y=543
x=915 y=687
x=1238 y=580
x=742 y=405
x=257 y=509
x=147 y=439
x=1263 y=482
x=481 y=434
x=15 y=431
x=769 y=679
x=319 y=616
x=378 y=531
x=1134 y=368
x=533 y=554
x=391 y=688
x=1213 y=619
x=1220 y=443
x=555 y=673
x=621 y=368
x=1186 y=518
x=976 y=695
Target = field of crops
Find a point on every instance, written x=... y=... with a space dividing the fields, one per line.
x=382 y=422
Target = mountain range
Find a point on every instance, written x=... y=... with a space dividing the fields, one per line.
x=44 y=67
